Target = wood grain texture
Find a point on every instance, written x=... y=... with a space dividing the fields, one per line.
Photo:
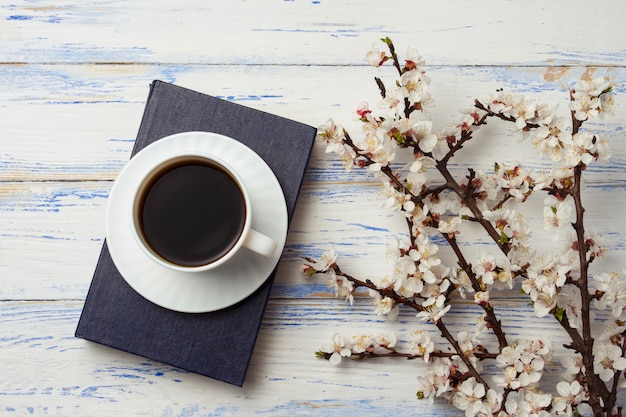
x=310 y=32
x=75 y=77
x=52 y=373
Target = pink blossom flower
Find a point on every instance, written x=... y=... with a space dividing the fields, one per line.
x=376 y=58
x=485 y=268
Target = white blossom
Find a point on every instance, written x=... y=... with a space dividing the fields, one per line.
x=414 y=59
x=337 y=348
x=384 y=306
x=334 y=136
x=415 y=86
x=420 y=131
x=569 y=300
x=605 y=281
x=360 y=343
x=614 y=296
x=529 y=370
x=485 y=267
x=516 y=408
x=462 y=282
x=573 y=364
x=395 y=200
x=469 y=397
x=421 y=344
x=509 y=378
x=342 y=287
x=386 y=340
x=375 y=57
x=551 y=139
x=433 y=313
x=570 y=394
x=580 y=150
x=538 y=401
x=400 y=128
x=514 y=180
x=557 y=215
x=587 y=101
x=481 y=298
x=467 y=341
x=435 y=381
x=607 y=359
x=545 y=276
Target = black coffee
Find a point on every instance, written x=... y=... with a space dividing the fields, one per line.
x=191 y=213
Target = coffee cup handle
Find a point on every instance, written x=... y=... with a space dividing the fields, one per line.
x=260 y=243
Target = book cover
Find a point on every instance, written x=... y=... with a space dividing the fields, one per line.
x=217 y=344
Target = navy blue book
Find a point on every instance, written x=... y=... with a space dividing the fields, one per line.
x=217 y=344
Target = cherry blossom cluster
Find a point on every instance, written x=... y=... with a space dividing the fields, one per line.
x=437 y=206
x=358 y=345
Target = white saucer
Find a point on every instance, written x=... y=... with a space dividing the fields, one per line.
x=197 y=292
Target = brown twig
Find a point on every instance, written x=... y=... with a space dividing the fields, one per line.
x=398 y=299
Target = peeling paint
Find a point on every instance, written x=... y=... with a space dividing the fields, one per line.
x=553 y=74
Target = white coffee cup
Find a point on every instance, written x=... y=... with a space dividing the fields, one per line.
x=192 y=213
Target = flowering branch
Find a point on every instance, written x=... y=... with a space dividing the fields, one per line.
x=558 y=284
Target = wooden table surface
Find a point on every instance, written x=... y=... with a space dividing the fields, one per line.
x=74 y=78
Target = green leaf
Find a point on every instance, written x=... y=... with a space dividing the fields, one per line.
x=504 y=239
x=559 y=313
x=399 y=138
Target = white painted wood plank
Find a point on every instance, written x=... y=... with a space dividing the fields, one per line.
x=50 y=238
x=48 y=372
x=78 y=122
x=311 y=32
x=52 y=232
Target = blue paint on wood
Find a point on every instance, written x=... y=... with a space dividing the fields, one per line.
x=93 y=392
x=77 y=52
x=44 y=19
x=19 y=17
x=250 y=97
x=131 y=376
x=333 y=33
x=124 y=140
x=369 y=227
